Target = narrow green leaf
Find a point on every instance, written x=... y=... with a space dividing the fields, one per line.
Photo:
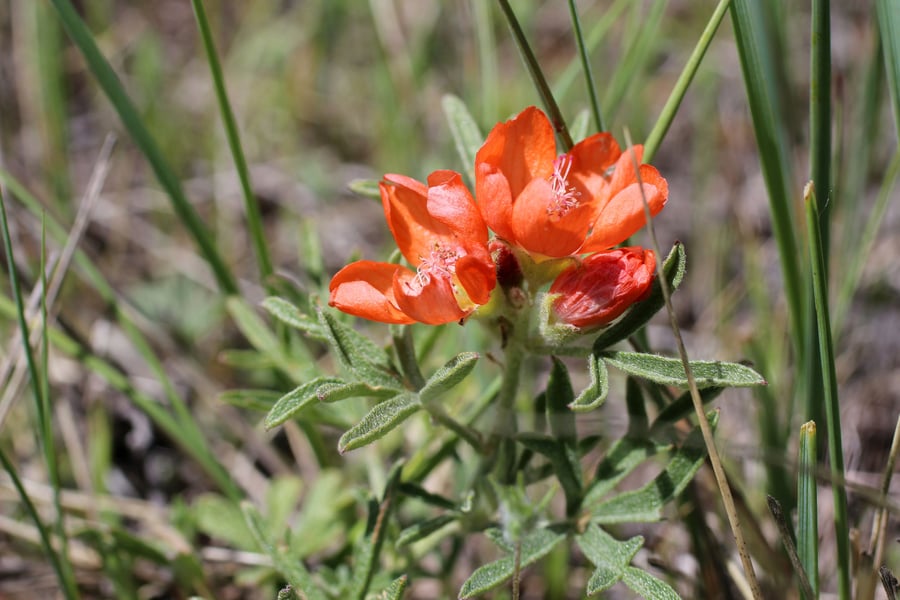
x=559 y=397
x=888 y=12
x=586 y=69
x=645 y=504
x=807 y=505
x=291 y=569
x=580 y=125
x=609 y=555
x=296 y=400
x=648 y=586
x=262 y=400
x=252 y=326
x=358 y=353
x=682 y=407
x=384 y=417
x=621 y=459
x=670 y=371
x=366 y=553
x=638 y=315
x=367 y=188
x=534 y=546
x=448 y=376
x=341 y=390
x=114 y=90
x=423 y=529
x=289 y=314
x=565 y=463
x=595 y=394
x=395 y=590
x=466 y=134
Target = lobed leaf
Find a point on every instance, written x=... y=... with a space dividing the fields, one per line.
x=610 y=556
x=638 y=315
x=621 y=459
x=383 y=417
x=594 y=394
x=534 y=546
x=670 y=371
x=448 y=376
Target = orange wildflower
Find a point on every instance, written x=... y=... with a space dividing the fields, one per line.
x=556 y=205
x=603 y=286
x=440 y=231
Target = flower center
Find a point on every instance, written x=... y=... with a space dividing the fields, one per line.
x=440 y=263
x=565 y=197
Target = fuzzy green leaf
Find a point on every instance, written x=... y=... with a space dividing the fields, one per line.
x=564 y=460
x=638 y=315
x=252 y=326
x=220 y=518
x=383 y=417
x=670 y=371
x=423 y=529
x=296 y=400
x=595 y=394
x=534 y=546
x=621 y=459
x=559 y=397
x=448 y=376
x=358 y=353
x=395 y=590
x=681 y=407
x=341 y=390
x=645 y=504
x=466 y=134
x=610 y=557
x=290 y=315
x=262 y=400
x=648 y=586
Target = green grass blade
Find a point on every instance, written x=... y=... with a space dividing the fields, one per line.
x=251 y=208
x=684 y=80
x=483 y=23
x=820 y=113
x=832 y=408
x=888 y=12
x=586 y=67
x=758 y=68
x=807 y=506
x=114 y=90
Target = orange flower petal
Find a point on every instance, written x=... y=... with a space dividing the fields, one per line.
x=450 y=203
x=365 y=289
x=599 y=290
x=494 y=199
x=537 y=232
x=433 y=303
x=477 y=275
x=591 y=158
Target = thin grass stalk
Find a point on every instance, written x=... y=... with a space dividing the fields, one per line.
x=487 y=58
x=116 y=94
x=251 y=207
x=832 y=408
x=537 y=76
x=788 y=543
x=807 y=506
x=684 y=80
x=820 y=113
x=586 y=67
x=45 y=436
x=705 y=429
x=759 y=78
x=879 y=523
x=888 y=12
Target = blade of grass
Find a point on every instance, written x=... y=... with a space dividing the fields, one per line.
x=888 y=12
x=251 y=208
x=537 y=76
x=785 y=532
x=705 y=429
x=487 y=58
x=586 y=67
x=820 y=113
x=832 y=408
x=807 y=506
x=758 y=69
x=684 y=80
x=116 y=94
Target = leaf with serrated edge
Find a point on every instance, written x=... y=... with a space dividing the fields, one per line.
x=647 y=585
x=610 y=556
x=595 y=394
x=534 y=546
x=383 y=417
x=290 y=315
x=448 y=376
x=645 y=504
x=641 y=312
x=296 y=400
x=357 y=353
x=670 y=371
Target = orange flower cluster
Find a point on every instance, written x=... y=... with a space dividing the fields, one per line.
x=549 y=205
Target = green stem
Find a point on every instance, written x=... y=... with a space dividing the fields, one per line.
x=537 y=76
x=832 y=408
x=505 y=426
x=586 y=67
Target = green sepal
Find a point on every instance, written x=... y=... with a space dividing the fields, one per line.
x=595 y=394
x=641 y=312
x=292 y=316
x=448 y=376
x=383 y=418
x=645 y=505
x=533 y=547
x=296 y=400
x=670 y=371
x=610 y=557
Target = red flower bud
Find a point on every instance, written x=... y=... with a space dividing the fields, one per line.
x=603 y=286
